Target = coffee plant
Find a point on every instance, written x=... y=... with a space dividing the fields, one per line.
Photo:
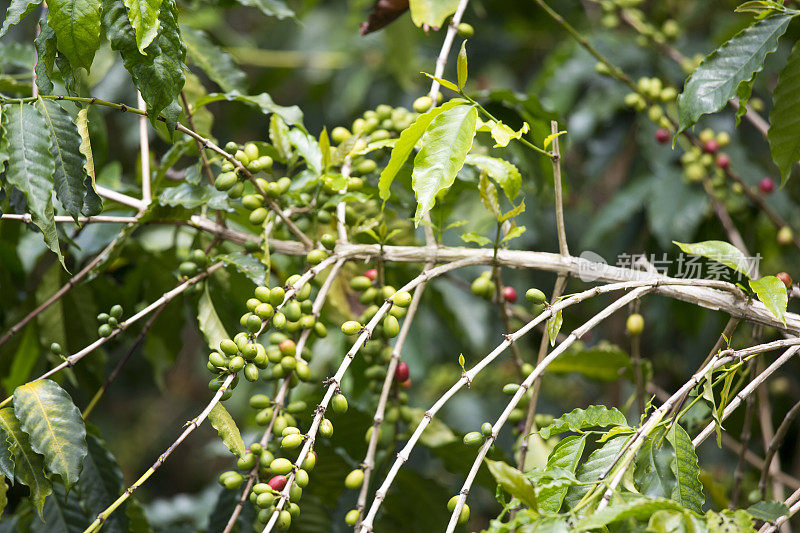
x=420 y=265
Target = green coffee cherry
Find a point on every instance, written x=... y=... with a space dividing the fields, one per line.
x=291 y=441
x=351 y=517
x=635 y=324
x=326 y=428
x=56 y=348
x=351 y=327
x=297 y=406
x=103 y=317
x=251 y=372
x=105 y=330
x=284 y=520
x=116 y=311
x=260 y=401
x=360 y=283
x=391 y=327
x=340 y=134
x=535 y=296
x=328 y=240
x=422 y=104
x=354 y=479
x=317 y=256
x=465 y=30
x=225 y=181
x=187 y=268
x=464 y=514
x=265 y=499
x=230 y=479
x=510 y=388
x=280 y=466
x=486 y=429
x=402 y=298
x=236 y=363
x=228 y=347
x=263 y=417
x=310 y=461
x=276 y=296
x=258 y=216
x=473 y=438
x=339 y=404
x=253 y=323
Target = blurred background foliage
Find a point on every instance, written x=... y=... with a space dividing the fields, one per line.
x=625 y=194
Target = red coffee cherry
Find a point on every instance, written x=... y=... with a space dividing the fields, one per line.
x=509 y=294
x=723 y=161
x=277 y=483
x=766 y=185
x=401 y=373
x=785 y=278
x=372 y=274
x=662 y=136
x=711 y=146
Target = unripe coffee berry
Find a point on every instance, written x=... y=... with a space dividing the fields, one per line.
x=402 y=372
x=280 y=466
x=465 y=30
x=402 y=298
x=510 y=388
x=56 y=348
x=310 y=461
x=276 y=296
x=360 y=283
x=251 y=372
x=339 y=404
x=486 y=429
x=391 y=327
x=351 y=327
x=317 y=256
x=635 y=324
x=326 y=428
x=284 y=520
x=785 y=278
x=351 y=517
x=187 y=268
x=354 y=479
x=785 y=236
x=105 y=330
x=116 y=311
x=473 y=438
x=236 y=363
x=229 y=347
x=265 y=500
x=230 y=480
x=262 y=293
x=253 y=323
x=291 y=441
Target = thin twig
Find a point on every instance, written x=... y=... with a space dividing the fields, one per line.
x=747 y=431
x=774 y=445
x=144 y=147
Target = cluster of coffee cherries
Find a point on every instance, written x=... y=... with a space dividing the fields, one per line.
x=651 y=92
x=108 y=321
x=232 y=181
x=707 y=161
x=195 y=261
x=667 y=31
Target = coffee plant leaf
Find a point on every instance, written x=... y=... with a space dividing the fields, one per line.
x=158 y=74
x=227 y=429
x=191 y=196
x=580 y=419
x=445 y=145
x=45 y=44
x=406 y=143
x=77 y=27
x=772 y=293
x=737 y=61
x=471 y=236
x=215 y=62
x=504 y=173
x=247 y=264
x=566 y=455
x=17 y=10
x=431 y=12
x=100 y=484
x=688 y=489
x=28 y=465
x=601 y=362
x=55 y=427
x=447 y=84
x=721 y=252
x=65 y=146
x=143 y=15
x=207 y=318
x=271 y=8
x=6 y=457
x=653 y=472
x=436 y=434
x=3 y=493
x=426 y=510
x=488 y=195
x=513 y=482
x=263 y=101
x=639 y=509
x=784 y=117
x=308 y=148
x=25 y=358
x=553 y=325
x=31 y=167
x=62 y=513
x=768 y=511
x=92 y=203
x=727 y=520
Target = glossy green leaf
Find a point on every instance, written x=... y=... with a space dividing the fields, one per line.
x=226 y=429
x=688 y=490
x=513 y=482
x=100 y=484
x=768 y=511
x=92 y=203
x=721 y=252
x=461 y=65
x=65 y=145
x=672 y=521
x=444 y=83
x=511 y=213
x=471 y=236
x=159 y=74
x=28 y=465
x=727 y=521
x=566 y=455
x=216 y=63
x=247 y=265
x=784 y=117
x=279 y=135
x=640 y=509
x=601 y=362
x=271 y=8
x=580 y=419
x=431 y=12
x=554 y=326
x=45 y=44
x=488 y=195
x=6 y=457
x=445 y=145
x=436 y=434
x=513 y=233
x=598 y=462
x=62 y=513
x=3 y=491
x=212 y=327
x=263 y=101
x=406 y=144
x=503 y=134
x=143 y=15
x=653 y=474
x=737 y=61
x=31 y=167
x=46 y=413
x=308 y=148
x=772 y=293
x=504 y=173
x=193 y=196
x=77 y=27
x=17 y=10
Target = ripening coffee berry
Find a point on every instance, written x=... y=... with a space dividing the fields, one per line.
x=723 y=161
x=402 y=372
x=278 y=482
x=351 y=517
x=785 y=278
x=473 y=438
x=766 y=185
x=287 y=347
x=662 y=136
x=354 y=479
x=339 y=404
x=509 y=294
x=785 y=236
x=351 y=327
x=326 y=428
x=465 y=30
x=372 y=274
x=711 y=146
x=635 y=324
